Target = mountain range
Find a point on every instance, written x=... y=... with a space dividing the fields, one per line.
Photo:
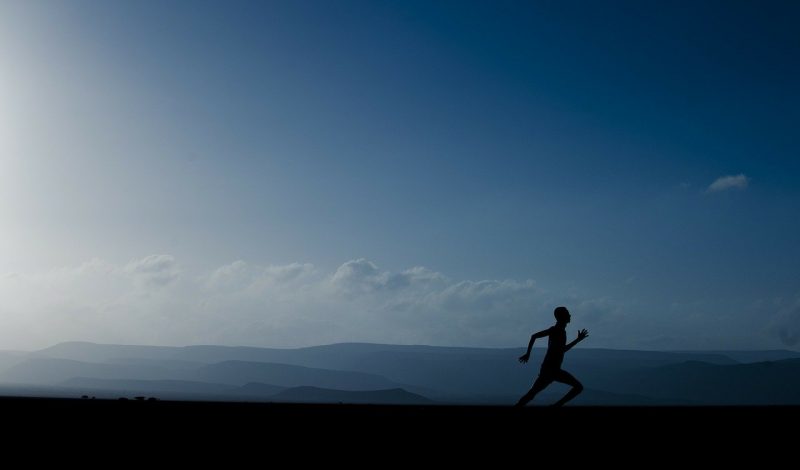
x=400 y=374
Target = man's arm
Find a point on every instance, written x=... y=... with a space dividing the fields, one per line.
x=524 y=358
x=582 y=334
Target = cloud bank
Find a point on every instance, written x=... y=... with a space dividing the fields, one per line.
x=725 y=183
x=154 y=300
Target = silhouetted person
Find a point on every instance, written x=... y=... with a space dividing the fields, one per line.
x=551 y=366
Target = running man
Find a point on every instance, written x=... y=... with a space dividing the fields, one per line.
x=551 y=370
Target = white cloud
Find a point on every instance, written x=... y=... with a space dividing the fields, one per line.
x=724 y=183
x=358 y=276
x=154 y=270
x=240 y=275
x=152 y=301
x=361 y=276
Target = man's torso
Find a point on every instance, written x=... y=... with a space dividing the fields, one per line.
x=555 y=349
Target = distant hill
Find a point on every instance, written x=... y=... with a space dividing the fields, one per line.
x=760 y=356
x=335 y=356
x=55 y=371
x=260 y=390
x=9 y=359
x=172 y=364
x=396 y=396
x=92 y=352
x=240 y=373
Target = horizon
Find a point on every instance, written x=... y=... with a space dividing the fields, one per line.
x=361 y=373
x=538 y=346
x=292 y=173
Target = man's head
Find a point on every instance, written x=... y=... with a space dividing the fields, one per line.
x=562 y=315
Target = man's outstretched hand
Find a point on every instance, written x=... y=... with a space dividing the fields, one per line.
x=582 y=334
x=524 y=358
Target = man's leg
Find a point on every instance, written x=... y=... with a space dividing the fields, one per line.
x=538 y=386
x=567 y=378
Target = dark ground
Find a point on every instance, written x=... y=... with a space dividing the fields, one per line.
x=233 y=434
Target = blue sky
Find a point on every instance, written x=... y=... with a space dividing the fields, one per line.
x=567 y=151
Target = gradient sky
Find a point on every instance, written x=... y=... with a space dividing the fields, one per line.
x=302 y=172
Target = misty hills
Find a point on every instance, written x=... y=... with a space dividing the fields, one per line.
x=40 y=370
x=240 y=372
x=413 y=374
x=44 y=371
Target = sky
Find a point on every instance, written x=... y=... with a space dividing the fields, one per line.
x=292 y=173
